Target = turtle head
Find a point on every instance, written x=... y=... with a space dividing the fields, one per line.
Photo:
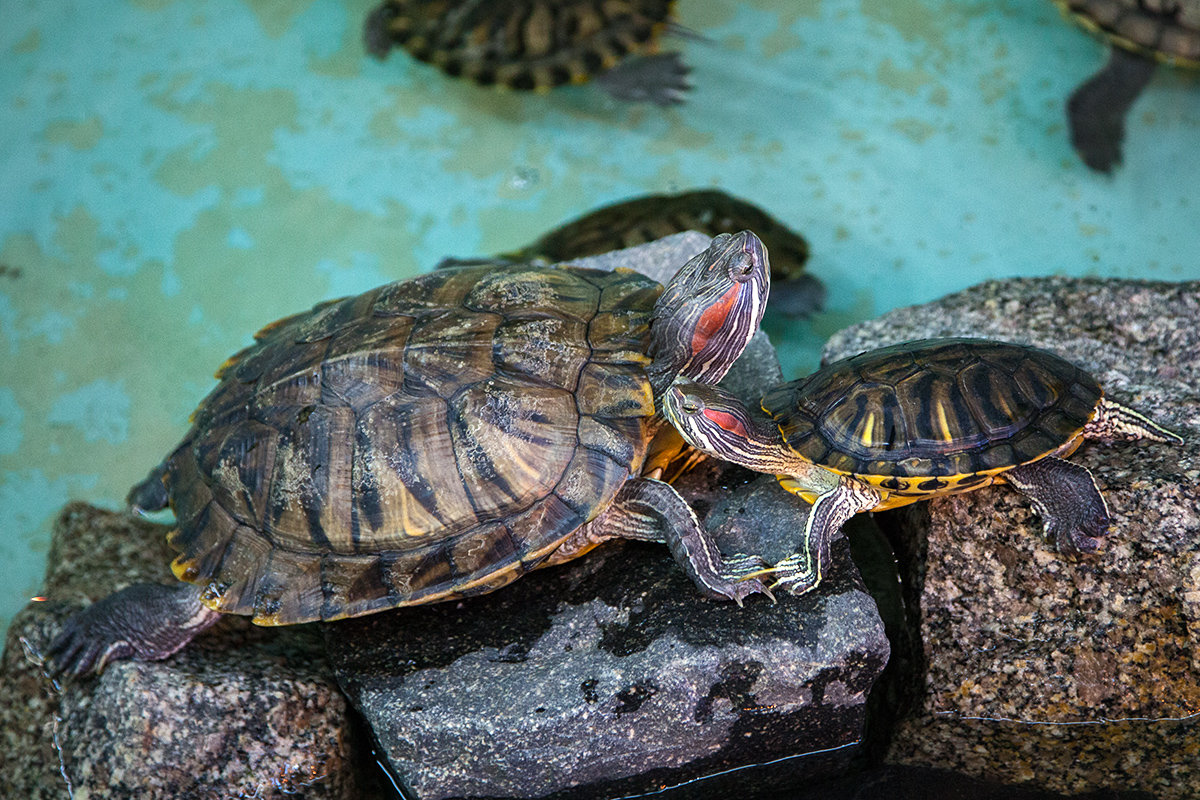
x=710 y=309
x=714 y=421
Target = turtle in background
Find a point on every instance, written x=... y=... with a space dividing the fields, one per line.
x=794 y=292
x=434 y=439
x=1140 y=34
x=536 y=45
x=913 y=421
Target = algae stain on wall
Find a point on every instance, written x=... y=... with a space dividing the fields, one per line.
x=98 y=410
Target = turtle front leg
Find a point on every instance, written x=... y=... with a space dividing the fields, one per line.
x=145 y=621
x=803 y=570
x=650 y=510
x=1066 y=497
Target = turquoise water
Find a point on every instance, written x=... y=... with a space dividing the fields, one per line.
x=177 y=174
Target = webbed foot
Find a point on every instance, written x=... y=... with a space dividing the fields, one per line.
x=145 y=621
x=1066 y=497
x=661 y=79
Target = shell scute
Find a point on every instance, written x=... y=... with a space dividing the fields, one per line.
x=548 y=349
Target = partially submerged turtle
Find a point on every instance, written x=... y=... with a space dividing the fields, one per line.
x=538 y=44
x=1141 y=34
x=433 y=439
x=913 y=421
x=649 y=217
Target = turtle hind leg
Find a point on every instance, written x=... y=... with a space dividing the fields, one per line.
x=1065 y=495
x=1115 y=422
x=1096 y=111
x=660 y=79
x=151 y=493
x=145 y=621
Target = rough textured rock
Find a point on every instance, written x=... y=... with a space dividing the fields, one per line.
x=241 y=712
x=611 y=675
x=1071 y=674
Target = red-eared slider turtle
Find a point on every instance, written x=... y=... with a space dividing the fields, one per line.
x=433 y=439
x=538 y=44
x=1141 y=33
x=918 y=420
x=650 y=217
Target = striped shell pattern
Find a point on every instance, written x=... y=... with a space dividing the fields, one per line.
x=935 y=417
x=524 y=44
x=427 y=439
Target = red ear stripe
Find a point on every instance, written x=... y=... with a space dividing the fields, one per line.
x=727 y=421
x=713 y=318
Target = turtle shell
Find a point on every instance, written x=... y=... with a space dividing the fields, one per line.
x=428 y=439
x=650 y=217
x=521 y=44
x=937 y=415
x=1165 y=30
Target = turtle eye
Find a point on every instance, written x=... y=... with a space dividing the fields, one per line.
x=690 y=407
x=742 y=268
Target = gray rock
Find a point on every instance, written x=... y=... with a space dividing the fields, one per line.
x=611 y=675
x=241 y=712
x=1070 y=674
x=659 y=259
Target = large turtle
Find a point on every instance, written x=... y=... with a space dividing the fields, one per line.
x=913 y=421
x=1141 y=33
x=538 y=44
x=433 y=439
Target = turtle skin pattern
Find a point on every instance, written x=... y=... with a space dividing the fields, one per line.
x=427 y=439
x=920 y=419
x=521 y=44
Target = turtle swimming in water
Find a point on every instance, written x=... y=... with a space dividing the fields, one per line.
x=917 y=420
x=638 y=220
x=433 y=439
x=1141 y=34
x=538 y=44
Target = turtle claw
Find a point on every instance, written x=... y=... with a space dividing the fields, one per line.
x=741 y=571
x=741 y=588
x=792 y=574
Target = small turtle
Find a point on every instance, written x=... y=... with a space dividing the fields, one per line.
x=1141 y=33
x=538 y=44
x=650 y=217
x=433 y=439
x=913 y=421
